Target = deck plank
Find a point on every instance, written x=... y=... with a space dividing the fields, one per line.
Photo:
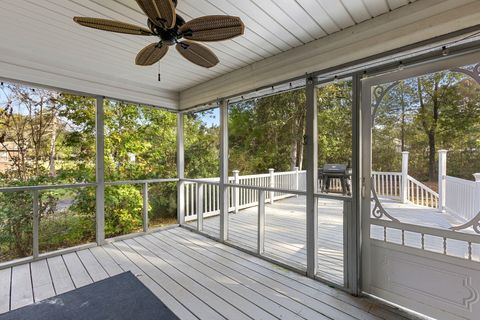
x=203 y=296
x=108 y=264
x=79 y=274
x=212 y=251
x=94 y=269
x=22 y=293
x=5 y=278
x=174 y=298
x=41 y=280
x=265 y=297
x=62 y=282
x=214 y=282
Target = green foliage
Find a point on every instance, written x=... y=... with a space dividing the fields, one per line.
x=425 y=114
x=202 y=145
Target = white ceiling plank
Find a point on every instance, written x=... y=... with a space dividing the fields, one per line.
x=317 y=12
x=357 y=10
x=337 y=11
x=301 y=17
x=377 y=7
x=255 y=22
x=285 y=18
x=395 y=4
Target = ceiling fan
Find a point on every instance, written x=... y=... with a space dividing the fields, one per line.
x=170 y=28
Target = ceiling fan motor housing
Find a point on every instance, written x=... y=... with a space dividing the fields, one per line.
x=168 y=36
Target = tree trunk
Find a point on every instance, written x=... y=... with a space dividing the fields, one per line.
x=293 y=154
x=431 y=156
x=53 y=139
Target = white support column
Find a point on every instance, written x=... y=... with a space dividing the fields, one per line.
x=223 y=170
x=180 y=169
x=236 y=191
x=312 y=175
x=404 y=191
x=271 y=183
x=145 y=206
x=297 y=182
x=477 y=192
x=36 y=223
x=199 y=197
x=352 y=227
x=261 y=222
x=442 y=172
x=100 y=172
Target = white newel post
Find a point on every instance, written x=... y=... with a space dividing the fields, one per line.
x=442 y=186
x=477 y=192
x=297 y=177
x=404 y=191
x=236 y=195
x=272 y=183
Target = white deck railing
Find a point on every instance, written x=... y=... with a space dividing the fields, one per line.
x=462 y=197
x=240 y=198
x=387 y=184
x=420 y=194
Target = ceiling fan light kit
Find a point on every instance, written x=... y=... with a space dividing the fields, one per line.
x=164 y=23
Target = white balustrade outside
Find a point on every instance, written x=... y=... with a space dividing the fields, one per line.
x=240 y=198
x=462 y=197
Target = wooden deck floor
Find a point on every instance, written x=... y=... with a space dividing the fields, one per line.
x=197 y=278
x=285 y=231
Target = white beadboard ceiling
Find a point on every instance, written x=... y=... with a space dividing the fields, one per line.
x=40 y=43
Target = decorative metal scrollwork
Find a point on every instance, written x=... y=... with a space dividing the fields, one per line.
x=474 y=74
x=474 y=223
x=379 y=92
x=378 y=210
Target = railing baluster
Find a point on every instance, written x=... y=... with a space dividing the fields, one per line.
x=199 y=197
x=36 y=223
x=187 y=197
x=403 y=237
x=423 y=241
x=261 y=222
x=145 y=206
x=444 y=245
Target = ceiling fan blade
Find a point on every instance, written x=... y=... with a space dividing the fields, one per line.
x=197 y=53
x=112 y=26
x=151 y=54
x=161 y=12
x=212 y=28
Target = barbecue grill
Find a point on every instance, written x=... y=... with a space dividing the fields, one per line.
x=334 y=171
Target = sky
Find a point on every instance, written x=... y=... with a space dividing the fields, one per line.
x=210 y=117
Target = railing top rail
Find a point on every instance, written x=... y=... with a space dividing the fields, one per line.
x=386 y=173
x=422 y=185
x=47 y=187
x=460 y=180
x=427 y=230
x=82 y=185
x=114 y=183
x=244 y=186
x=201 y=181
x=250 y=176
